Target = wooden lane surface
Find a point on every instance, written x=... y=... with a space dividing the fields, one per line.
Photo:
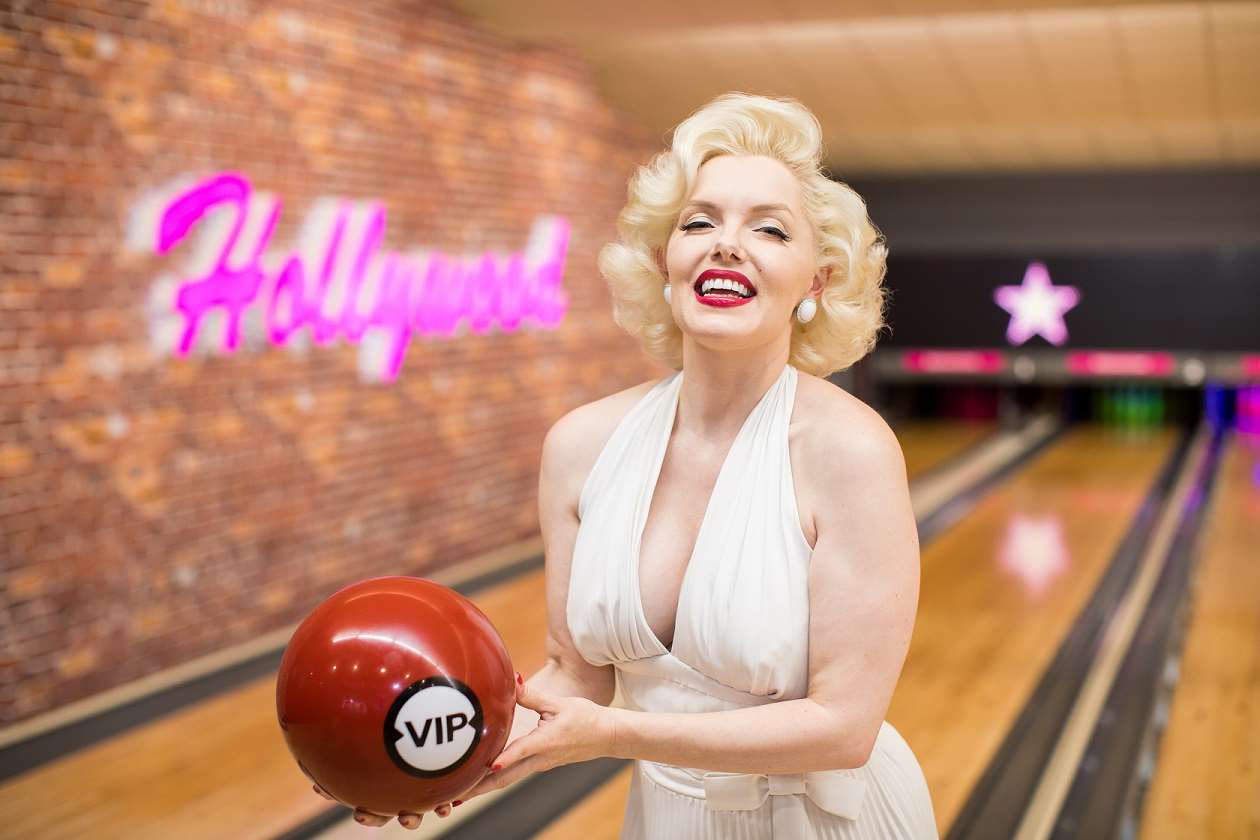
x=1207 y=776
x=929 y=443
x=597 y=817
x=1001 y=590
x=216 y=769
x=983 y=634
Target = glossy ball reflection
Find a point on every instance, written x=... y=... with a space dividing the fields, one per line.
x=394 y=694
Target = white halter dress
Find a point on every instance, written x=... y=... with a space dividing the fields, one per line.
x=741 y=636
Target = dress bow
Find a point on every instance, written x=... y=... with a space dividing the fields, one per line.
x=838 y=792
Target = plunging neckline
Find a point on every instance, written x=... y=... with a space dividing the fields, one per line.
x=636 y=553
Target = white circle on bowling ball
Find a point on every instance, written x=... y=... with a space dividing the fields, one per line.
x=436 y=728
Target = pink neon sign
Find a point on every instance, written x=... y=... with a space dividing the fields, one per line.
x=953 y=361
x=1036 y=306
x=344 y=284
x=1120 y=363
x=1250 y=364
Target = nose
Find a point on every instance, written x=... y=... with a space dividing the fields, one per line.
x=726 y=247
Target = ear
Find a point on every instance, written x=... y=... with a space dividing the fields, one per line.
x=821 y=278
x=658 y=256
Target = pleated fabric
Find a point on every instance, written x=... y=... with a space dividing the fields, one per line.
x=740 y=639
x=896 y=805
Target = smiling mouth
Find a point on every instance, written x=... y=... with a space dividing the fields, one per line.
x=728 y=284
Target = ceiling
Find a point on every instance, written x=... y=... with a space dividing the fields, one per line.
x=914 y=86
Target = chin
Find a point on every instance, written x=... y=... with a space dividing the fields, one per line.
x=722 y=336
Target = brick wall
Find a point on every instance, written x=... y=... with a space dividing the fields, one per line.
x=155 y=508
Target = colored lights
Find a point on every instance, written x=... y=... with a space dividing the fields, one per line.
x=1216 y=405
x=1247 y=409
x=1237 y=407
x=954 y=361
x=1113 y=363
x=1129 y=406
x=1036 y=306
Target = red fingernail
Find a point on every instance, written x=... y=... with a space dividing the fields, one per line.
x=458 y=802
x=519 y=681
x=496 y=768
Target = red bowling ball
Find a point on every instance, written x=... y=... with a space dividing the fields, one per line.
x=395 y=694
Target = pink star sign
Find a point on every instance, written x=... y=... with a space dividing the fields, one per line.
x=1036 y=306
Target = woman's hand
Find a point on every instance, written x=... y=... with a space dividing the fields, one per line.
x=406 y=819
x=570 y=729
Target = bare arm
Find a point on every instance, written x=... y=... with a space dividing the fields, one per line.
x=864 y=587
x=566 y=673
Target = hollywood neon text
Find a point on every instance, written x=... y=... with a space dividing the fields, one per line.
x=340 y=282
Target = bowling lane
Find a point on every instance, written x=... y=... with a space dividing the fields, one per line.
x=1206 y=775
x=596 y=817
x=1000 y=591
x=928 y=444
x=219 y=768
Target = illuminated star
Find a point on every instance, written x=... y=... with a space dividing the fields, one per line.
x=1036 y=306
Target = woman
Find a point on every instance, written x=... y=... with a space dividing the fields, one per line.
x=733 y=545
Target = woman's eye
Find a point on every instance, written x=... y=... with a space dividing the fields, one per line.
x=691 y=225
x=774 y=231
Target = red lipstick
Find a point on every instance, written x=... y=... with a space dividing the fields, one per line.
x=723 y=300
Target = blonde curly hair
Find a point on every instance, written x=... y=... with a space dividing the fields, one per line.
x=851 y=307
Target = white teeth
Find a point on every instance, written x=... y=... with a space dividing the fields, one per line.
x=729 y=285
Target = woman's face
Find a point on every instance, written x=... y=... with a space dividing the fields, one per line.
x=745 y=215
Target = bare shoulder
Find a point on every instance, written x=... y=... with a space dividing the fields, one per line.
x=839 y=442
x=575 y=440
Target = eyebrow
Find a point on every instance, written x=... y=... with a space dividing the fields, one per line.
x=709 y=205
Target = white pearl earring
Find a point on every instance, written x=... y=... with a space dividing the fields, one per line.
x=667 y=288
x=806 y=309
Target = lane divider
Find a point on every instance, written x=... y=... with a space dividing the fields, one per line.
x=933 y=492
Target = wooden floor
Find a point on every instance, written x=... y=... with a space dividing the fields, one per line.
x=1001 y=590
x=928 y=444
x=1207 y=776
x=986 y=628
